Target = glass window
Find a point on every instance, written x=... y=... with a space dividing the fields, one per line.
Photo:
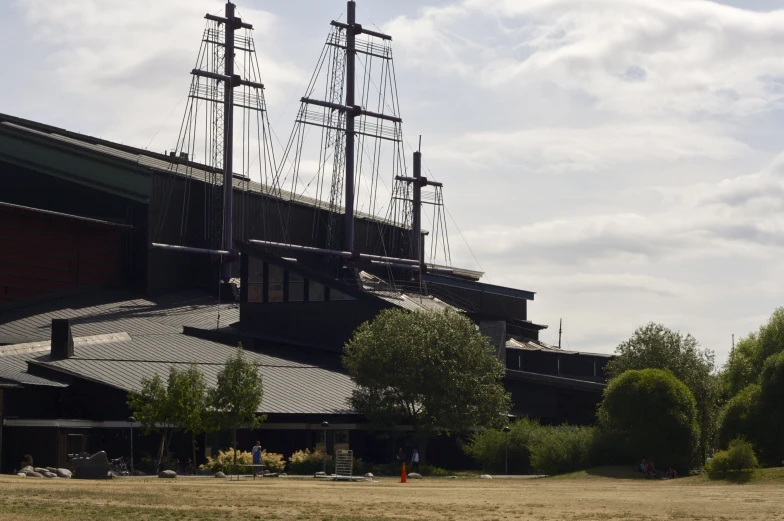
x=296 y=287
x=316 y=292
x=275 y=284
x=338 y=295
x=255 y=280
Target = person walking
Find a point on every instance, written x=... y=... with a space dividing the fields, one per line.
x=400 y=457
x=256 y=457
x=415 y=461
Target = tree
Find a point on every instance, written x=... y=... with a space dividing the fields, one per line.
x=237 y=396
x=750 y=353
x=654 y=346
x=187 y=392
x=433 y=371
x=740 y=417
x=655 y=415
x=152 y=408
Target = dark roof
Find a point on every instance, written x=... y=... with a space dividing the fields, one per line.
x=536 y=345
x=147 y=339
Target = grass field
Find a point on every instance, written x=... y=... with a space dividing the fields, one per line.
x=581 y=496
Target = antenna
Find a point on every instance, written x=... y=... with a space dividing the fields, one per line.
x=560 y=330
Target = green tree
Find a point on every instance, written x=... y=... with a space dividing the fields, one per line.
x=654 y=346
x=237 y=396
x=153 y=409
x=747 y=359
x=187 y=390
x=740 y=417
x=433 y=371
x=655 y=415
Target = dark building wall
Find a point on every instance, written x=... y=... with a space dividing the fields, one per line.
x=553 y=405
x=328 y=324
x=584 y=366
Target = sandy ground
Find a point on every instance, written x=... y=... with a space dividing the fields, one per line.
x=139 y=499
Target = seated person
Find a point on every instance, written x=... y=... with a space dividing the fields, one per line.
x=671 y=474
x=641 y=466
x=650 y=470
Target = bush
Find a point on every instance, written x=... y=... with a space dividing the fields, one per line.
x=488 y=447
x=738 y=458
x=309 y=462
x=655 y=415
x=740 y=416
x=273 y=461
x=224 y=462
x=561 y=449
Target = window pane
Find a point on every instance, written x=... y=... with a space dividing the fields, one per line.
x=337 y=295
x=275 y=283
x=296 y=287
x=316 y=292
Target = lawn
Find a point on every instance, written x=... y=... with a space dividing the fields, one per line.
x=587 y=495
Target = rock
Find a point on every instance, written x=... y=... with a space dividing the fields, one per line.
x=63 y=473
x=220 y=474
x=22 y=474
x=27 y=469
x=320 y=474
x=485 y=476
x=51 y=469
x=114 y=474
x=34 y=474
x=414 y=475
x=369 y=475
x=50 y=475
x=40 y=470
x=168 y=474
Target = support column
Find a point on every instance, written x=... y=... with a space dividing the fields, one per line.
x=417 y=210
x=348 y=226
x=228 y=140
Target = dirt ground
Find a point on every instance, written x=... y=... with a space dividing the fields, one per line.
x=140 y=499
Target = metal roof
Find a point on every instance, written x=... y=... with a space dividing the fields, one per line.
x=146 y=339
x=536 y=345
x=406 y=300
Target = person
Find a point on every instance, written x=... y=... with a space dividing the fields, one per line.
x=671 y=474
x=650 y=470
x=641 y=466
x=256 y=457
x=400 y=458
x=415 y=461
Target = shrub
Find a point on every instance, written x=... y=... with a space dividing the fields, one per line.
x=224 y=462
x=740 y=416
x=561 y=449
x=655 y=414
x=488 y=447
x=738 y=457
x=309 y=462
x=273 y=461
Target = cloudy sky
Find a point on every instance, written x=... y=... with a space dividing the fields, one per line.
x=622 y=158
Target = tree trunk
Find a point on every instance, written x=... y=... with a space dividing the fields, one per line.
x=160 y=451
x=234 y=442
x=193 y=445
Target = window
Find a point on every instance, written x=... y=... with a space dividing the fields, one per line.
x=316 y=292
x=338 y=295
x=275 y=284
x=255 y=280
x=296 y=287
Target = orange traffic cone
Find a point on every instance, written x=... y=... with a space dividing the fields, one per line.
x=403 y=478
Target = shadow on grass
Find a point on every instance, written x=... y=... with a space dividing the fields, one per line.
x=615 y=473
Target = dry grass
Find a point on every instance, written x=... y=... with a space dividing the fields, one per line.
x=580 y=498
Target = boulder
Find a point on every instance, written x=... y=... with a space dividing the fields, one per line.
x=168 y=474
x=40 y=470
x=369 y=475
x=90 y=467
x=320 y=474
x=27 y=469
x=220 y=474
x=34 y=474
x=51 y=469
x=485 y=476
x=50 y=475
x=22 y=474
x=414 y=475
x=63 y=473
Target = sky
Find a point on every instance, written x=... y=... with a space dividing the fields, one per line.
x=621 y=158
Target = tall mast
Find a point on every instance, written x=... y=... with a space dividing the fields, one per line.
x=351 y=33
x=228 y=137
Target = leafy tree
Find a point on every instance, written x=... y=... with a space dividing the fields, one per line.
x=237 y=395
x=433 y=371
x=656 y=416
x=187 y=392
x=741 y=416
x=750 y=353
x=153 y=409
x=654 y=346
x=771 y=431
